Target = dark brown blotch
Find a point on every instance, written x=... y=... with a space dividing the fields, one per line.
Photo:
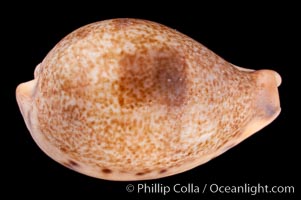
x=142 y=173
x=158 y=77
x=162 y=171
x=71 y=164
x=106 y=171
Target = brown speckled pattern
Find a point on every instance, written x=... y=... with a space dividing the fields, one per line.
x=134 y=97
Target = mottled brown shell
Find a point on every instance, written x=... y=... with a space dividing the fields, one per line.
x=128 y=99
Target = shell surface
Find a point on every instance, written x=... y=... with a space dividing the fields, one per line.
x=129 y=99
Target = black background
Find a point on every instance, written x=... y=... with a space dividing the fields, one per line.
x=251 y=36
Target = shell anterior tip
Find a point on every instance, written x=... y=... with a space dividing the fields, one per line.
x=277 y=78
